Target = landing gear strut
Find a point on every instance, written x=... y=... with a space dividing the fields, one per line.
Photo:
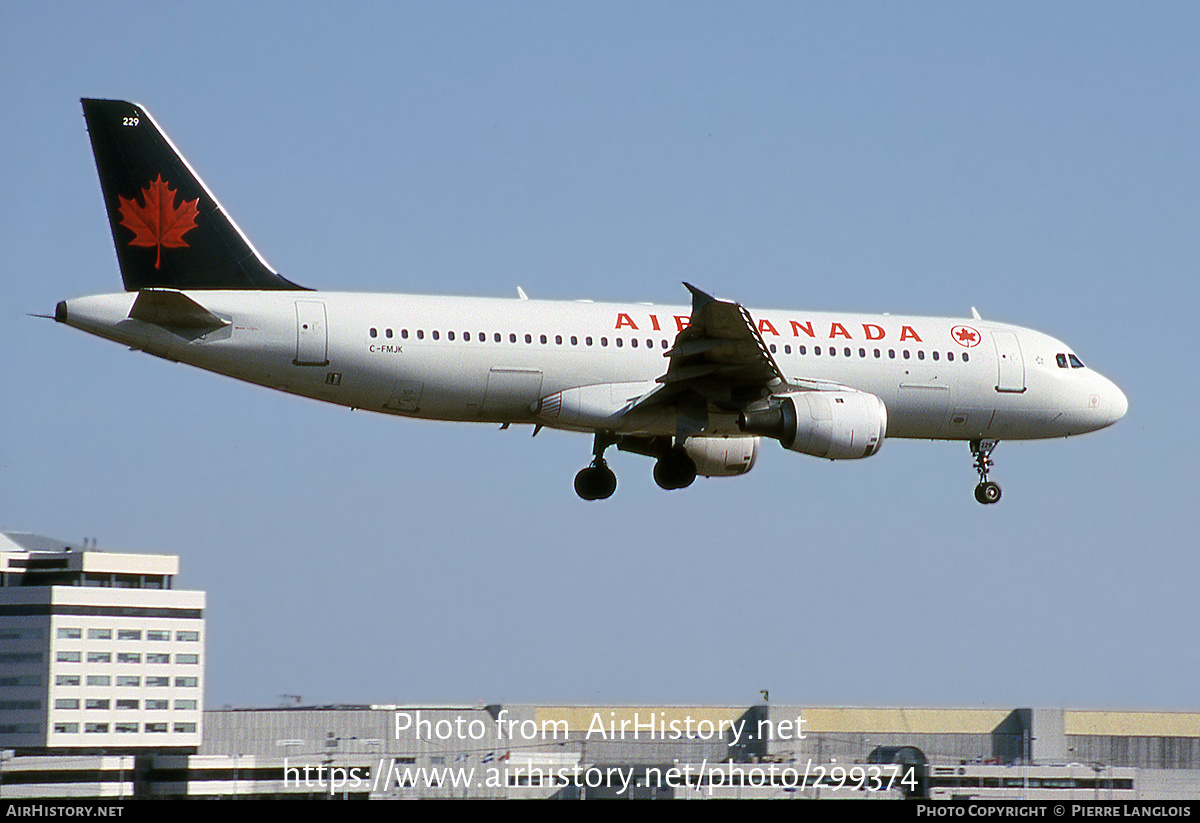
x=987 y=491
x=597 y=481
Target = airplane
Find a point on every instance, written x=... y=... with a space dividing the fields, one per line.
x=694 y=387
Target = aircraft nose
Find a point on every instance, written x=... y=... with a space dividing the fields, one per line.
x=1118 y=403
x=1113 y=403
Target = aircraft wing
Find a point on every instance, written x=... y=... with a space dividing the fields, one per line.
x=719 y=359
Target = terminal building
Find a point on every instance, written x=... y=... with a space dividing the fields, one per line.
x=101 y=696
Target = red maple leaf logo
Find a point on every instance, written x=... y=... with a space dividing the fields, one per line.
x=965 y=336
x=158 y=222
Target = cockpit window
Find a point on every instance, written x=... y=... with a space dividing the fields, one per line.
x=1075 y=363
x=1062 y=360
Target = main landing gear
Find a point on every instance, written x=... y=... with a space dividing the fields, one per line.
x=597 y=481
x=674 y=469
x=987 y=491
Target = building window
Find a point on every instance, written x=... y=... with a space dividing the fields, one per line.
x=66 y=703
x=190 y=659
x=129 y=657
x=66 y=728
x=96 y=704
x=185 y=705
x=127 y=704
x=99 y=634
x=99 y=657
x=187 y=636
x=158 y=681
x=156 y=727
x=66 y=680
x=185 y=728
x=187 y=682
x=69 y=634
x=129 y=680
x=157 y=657
x=67 y=657
x=98 y=680
x=158 y=635
x=129 y=634
x=95 y=728
x=155 y=705
x=126 y=727
x=20 y=680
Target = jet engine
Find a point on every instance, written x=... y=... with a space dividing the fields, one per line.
x=722 y=456
x=839 y=425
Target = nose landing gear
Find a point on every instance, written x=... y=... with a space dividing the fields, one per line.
x=987 y=491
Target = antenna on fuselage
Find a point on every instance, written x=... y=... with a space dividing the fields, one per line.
x=975 y=313
x=521 y=293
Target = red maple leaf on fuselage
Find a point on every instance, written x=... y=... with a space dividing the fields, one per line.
x=158 y=222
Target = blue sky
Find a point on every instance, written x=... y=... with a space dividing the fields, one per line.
x=1037 y=161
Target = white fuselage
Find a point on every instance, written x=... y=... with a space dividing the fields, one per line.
x=496 y=360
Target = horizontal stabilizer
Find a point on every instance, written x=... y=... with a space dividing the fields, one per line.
x=173 y=310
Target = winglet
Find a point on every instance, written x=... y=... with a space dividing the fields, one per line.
x=700 y=299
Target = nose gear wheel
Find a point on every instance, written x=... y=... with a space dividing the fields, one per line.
x=987 y=491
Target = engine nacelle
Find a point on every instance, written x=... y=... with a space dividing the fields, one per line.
x=722 y=456
x=839 y=425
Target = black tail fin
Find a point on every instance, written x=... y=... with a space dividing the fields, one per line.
x=170 y=232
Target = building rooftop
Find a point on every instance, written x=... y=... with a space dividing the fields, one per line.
x=35 y=560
